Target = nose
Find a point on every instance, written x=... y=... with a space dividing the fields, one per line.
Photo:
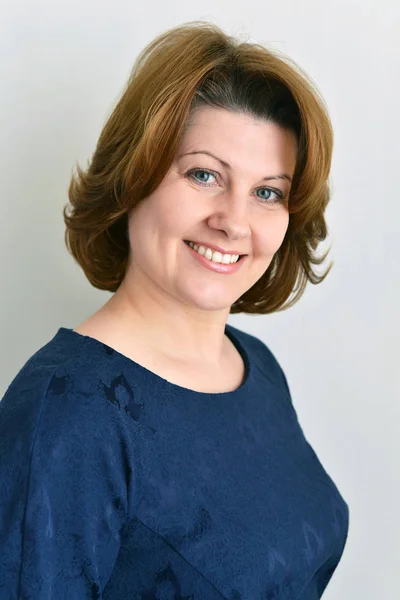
x=231 y=215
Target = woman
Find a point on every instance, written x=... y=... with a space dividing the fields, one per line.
x=154 y=450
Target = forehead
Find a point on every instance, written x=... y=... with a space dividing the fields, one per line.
x=238 y=138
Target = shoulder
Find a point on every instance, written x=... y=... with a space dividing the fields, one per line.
x=61 y=418
x=262 y=357
x=62 y=391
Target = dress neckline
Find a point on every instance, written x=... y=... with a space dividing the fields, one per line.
x=169 y=386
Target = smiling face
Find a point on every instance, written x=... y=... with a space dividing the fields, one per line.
x=222 y=200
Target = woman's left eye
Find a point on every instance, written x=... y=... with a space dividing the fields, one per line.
x=192 y=174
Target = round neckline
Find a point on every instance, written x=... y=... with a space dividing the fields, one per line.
x=172 y=387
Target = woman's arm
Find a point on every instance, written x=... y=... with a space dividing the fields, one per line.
x=63 y=493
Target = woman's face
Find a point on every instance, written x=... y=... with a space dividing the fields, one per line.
x=202 y=199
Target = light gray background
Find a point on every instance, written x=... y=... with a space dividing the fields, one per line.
x=63 y=65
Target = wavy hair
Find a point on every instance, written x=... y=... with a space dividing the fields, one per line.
x=188 y=66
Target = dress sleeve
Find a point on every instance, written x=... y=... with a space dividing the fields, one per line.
x=285 y=385
x=64 y=495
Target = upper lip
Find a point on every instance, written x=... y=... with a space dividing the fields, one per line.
x=218 y=248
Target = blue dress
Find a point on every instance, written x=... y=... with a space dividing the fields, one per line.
x=116 y=484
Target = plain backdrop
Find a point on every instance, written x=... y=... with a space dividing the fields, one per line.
x=63 y=64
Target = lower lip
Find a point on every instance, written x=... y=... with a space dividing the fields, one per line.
x=217 y=267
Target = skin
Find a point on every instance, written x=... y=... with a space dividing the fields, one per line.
x=168 y=300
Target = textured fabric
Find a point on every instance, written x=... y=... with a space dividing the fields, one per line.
x=119 y=485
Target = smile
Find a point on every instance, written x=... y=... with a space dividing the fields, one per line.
x=214 y=263
x=214 y=255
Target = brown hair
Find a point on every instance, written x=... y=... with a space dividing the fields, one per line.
x=188 y=66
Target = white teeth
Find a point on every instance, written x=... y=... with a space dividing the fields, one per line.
x=214 y=255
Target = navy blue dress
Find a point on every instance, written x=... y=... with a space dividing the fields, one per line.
x=116 y=484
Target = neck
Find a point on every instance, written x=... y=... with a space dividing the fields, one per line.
x=177 y=332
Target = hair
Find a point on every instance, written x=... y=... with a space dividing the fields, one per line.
x=192 y=65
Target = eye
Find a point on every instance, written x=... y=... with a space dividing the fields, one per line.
x=192 y=174
x=279 y=197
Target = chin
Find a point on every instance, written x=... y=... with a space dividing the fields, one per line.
x=210 y=302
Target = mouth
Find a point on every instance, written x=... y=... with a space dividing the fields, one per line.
x=188 y=242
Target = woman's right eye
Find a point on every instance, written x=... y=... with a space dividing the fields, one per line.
x=192 y=175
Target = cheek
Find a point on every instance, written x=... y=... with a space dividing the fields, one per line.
x=148 y=219
x=272 y=234
x=171 y=210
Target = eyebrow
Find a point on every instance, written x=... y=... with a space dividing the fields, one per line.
x=228 y=166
